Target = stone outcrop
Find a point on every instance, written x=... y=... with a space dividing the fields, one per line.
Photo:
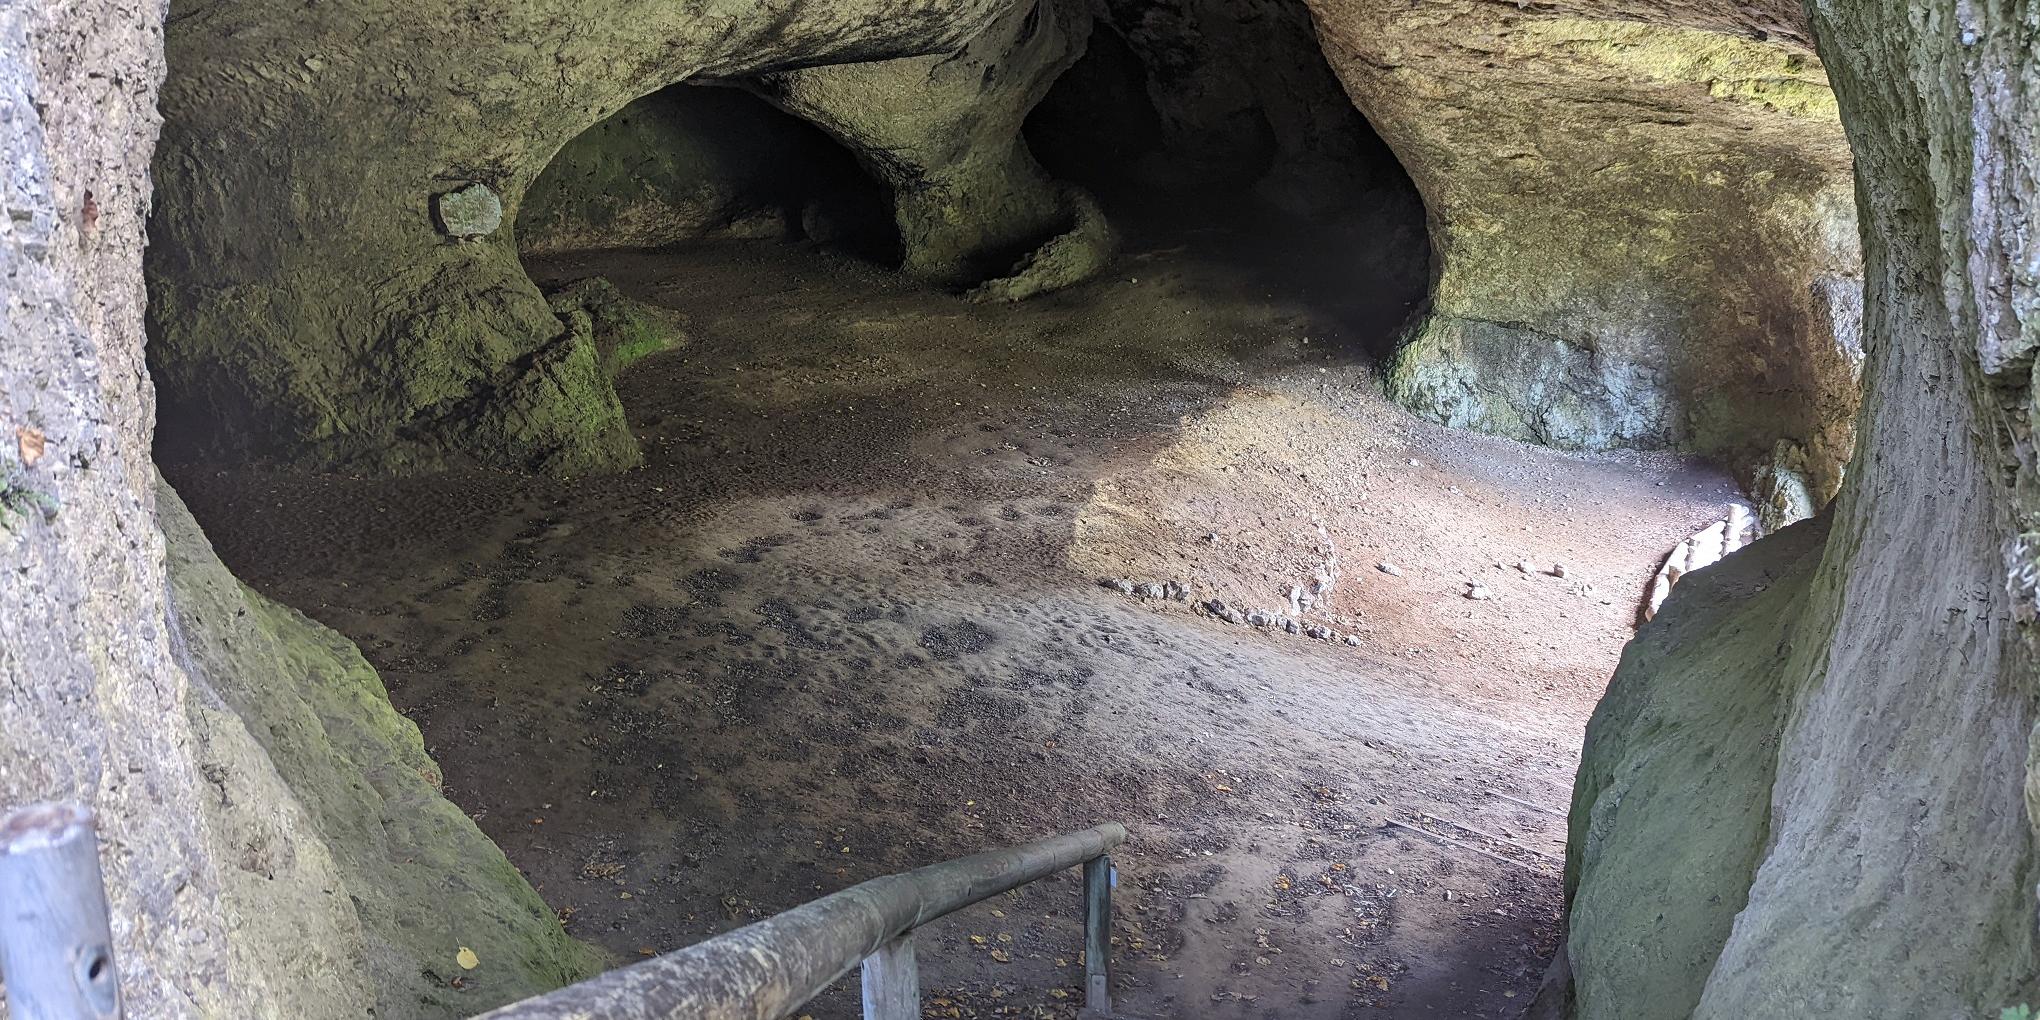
x=1892 y=870
x=1679 y=763
x=308 y=308
x=272 y=838
x=1640 y=215
x=943 y=132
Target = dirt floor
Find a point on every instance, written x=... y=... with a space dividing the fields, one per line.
x=849 y=620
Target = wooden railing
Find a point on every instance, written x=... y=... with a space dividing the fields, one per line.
x=55 y=946
x=766 y=970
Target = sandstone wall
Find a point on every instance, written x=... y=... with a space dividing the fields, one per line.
x=686 y=163
x=1641 y=220
x=316 y=306
x=1895 y=869
x=272 y=839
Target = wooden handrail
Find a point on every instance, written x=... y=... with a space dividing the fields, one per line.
x=766 y=970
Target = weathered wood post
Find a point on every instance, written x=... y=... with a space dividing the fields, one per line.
x=892 y=982
x=56 y=952
x=1098 y=936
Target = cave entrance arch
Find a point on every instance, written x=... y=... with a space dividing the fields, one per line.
x=694 y=162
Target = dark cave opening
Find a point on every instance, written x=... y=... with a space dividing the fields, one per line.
x=695 y=162
x=1295 y=193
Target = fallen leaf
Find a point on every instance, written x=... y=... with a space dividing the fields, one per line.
x=467 y=959
x=31 y=443
x=1002 y=956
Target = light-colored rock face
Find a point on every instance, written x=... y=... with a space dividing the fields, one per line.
x=1893 y=871
x=944 y=132
x=86 y=670
x=271 y=838
x=1636 y=213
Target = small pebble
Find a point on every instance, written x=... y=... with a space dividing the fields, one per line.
x=1389 y=568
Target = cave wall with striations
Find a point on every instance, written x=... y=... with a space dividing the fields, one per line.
x=1891 y=871
x=1641 y=222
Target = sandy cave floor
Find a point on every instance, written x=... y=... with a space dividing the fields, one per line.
x=847 y=620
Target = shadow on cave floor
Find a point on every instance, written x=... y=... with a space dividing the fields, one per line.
x=847 y=620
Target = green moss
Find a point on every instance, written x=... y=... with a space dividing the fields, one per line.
x=1672 y=805
x=20 y=500
x=419 y=876
x=624 y=330
x=475 y=367
x=562 y=406
x=1733 y=68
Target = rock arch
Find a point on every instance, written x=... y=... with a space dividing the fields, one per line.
x=304 y=310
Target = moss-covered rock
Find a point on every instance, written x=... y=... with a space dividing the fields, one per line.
x=944 y=133
x=1670 y=813
x=359 y=805
x=306 y=304
x=1890 y=695
x=1067 y=259
x=622 y=329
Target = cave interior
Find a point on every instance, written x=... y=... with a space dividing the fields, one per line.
x=1458 y=482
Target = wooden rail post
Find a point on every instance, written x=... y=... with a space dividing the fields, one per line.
x=1098 y=936
x=56 y=951
x=892 y=982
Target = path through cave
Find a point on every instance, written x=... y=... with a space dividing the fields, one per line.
x=877 y=595
x=848 y=618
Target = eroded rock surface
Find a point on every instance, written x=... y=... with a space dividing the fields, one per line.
x=943 y=132
x=1637 y=212
x=690 y=162
x=272 y=840
x=1894 y=869
x=306 y=306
